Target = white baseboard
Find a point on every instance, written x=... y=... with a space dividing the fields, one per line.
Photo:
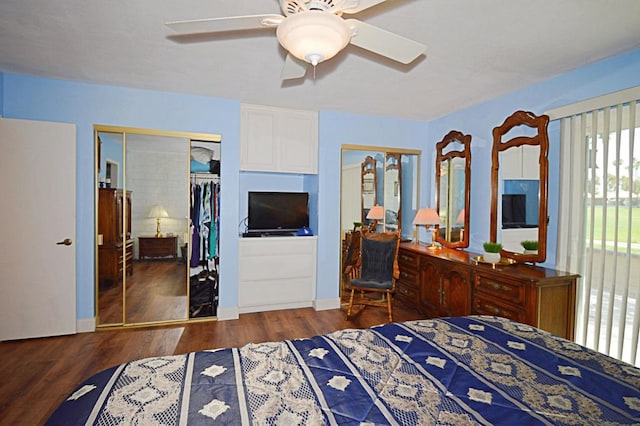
x=227 y=313
x=326 y=304
x=274 y=307
x=318 y=305
x=85 y=325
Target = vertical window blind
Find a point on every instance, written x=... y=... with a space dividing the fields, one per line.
x=599 y=219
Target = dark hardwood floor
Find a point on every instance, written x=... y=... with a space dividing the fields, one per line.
x=156 y=291
x=38 y=374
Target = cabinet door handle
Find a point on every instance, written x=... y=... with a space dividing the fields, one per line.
x=65 y=242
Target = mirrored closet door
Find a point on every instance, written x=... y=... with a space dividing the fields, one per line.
x=145 y=228
x=385 y=178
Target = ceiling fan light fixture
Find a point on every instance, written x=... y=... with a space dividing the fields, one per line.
x=314 y=36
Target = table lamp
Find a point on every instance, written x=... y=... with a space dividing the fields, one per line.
x=375 y=214
x=157 y=211
x=428 y=217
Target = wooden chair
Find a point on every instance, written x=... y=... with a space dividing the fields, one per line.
x=377 y=272
x=351 y=254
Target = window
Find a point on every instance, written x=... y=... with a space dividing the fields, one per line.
x=599 y=223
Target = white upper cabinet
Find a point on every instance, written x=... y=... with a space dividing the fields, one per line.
x=521 y=162
x=278 y=140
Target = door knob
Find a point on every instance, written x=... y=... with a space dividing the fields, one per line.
x=65 y=242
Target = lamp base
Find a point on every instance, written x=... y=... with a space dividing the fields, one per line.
x=158 y=233
x=433 y=245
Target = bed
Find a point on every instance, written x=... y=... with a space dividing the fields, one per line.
x=456 y=371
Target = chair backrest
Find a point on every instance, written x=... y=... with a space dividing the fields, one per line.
x=379 y=260
x=351 y=257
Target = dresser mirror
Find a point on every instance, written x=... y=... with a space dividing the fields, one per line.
x=392 y=192
x=453 y=189
x=519 y=185
x=142 y=225
x=368 y=182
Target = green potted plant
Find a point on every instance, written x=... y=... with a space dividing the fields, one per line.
x=530 y=246
x=492 y=252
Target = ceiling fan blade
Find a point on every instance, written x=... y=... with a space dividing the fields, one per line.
x=354 y=6
x=232 y=23
x=385 y=43
x=293 y=68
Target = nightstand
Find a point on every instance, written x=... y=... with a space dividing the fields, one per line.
x=157 y=247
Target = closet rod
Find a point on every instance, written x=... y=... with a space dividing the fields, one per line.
x=200 y=177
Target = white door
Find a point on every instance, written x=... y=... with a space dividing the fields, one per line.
x=38 y=188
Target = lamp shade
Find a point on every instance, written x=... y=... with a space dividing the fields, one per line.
x=376 y=213
x=460 y=218
x=313 y=36
x=157 y=211
x=427 y=216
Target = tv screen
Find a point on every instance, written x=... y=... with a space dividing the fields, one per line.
x=514 y=212
x=277 y=212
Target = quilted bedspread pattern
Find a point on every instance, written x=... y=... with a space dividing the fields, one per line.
x=455 y=371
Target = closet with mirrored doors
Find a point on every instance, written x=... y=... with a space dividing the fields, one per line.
x=379 y=193
x=157 y=222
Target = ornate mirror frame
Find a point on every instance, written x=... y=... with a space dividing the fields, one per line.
x=447 y=150
x=393 y=192
x=540 y=139
x=369 y=184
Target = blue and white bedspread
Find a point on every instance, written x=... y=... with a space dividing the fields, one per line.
x=453 y=371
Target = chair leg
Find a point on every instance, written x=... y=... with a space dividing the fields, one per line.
x=350 y=303
x=389 y=308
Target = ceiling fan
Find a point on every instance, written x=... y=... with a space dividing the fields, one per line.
x=313 y=31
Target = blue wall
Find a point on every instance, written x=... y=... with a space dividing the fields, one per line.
x=88 y=104
x=611 y=75
x=1 y=94
x=336 y=129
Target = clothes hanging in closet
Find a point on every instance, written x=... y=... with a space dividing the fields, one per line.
x=204 y=222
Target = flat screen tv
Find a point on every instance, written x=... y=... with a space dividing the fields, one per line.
x=277 y=213
x=514 y=211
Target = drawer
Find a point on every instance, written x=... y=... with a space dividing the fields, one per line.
x=509 y=291
x=156 y=247
x=409 y=277
x=407 y=295
x=408 y=259
x=129 y=252
x=483 y=305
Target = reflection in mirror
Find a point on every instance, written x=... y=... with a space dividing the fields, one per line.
x=395 y=189
x=519 y=177
x=453 y=185
x=392 y=196
x=156 y=177
x=368 y=176
x=142 y=212
x=110 y=226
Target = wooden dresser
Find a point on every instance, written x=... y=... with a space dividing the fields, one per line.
x=157 y=247
x=115 y=253
x=446 y=282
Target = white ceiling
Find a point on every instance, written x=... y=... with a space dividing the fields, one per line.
x=477 y=50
